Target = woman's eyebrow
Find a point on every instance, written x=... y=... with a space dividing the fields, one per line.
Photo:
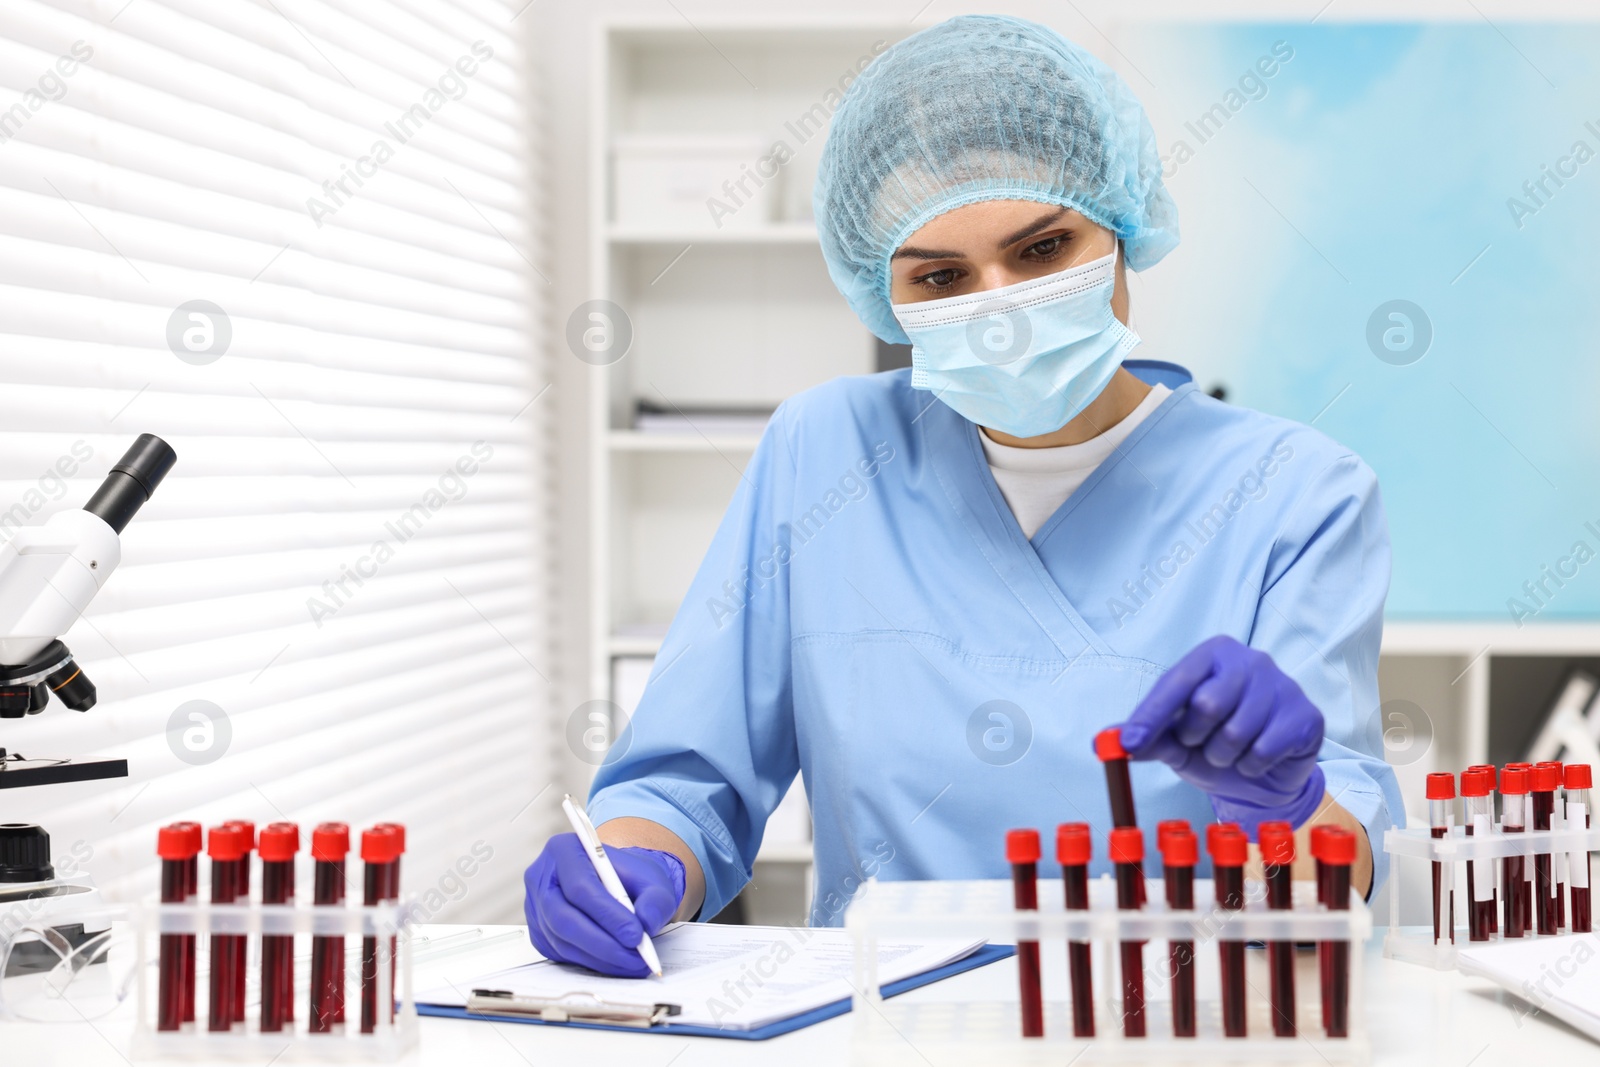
x=1041 y=223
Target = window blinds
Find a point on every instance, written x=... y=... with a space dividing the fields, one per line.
x=294 y=239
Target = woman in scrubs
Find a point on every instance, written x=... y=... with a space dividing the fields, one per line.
x=933 y=588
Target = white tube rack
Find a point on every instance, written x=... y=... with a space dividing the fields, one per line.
x=390 y=1039
x=919 y=1031
x=1414 y=944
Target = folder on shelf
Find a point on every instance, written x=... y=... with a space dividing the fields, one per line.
x=744 y=982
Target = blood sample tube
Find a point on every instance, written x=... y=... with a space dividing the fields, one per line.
x=1119 y=787
x=1493 y=775
x=1480 y=873
x=1524 y=891
x=278 y=845
x=1318 y=837
x=1277 y=854
x=225 y=846
x=173 y=844
x=1558 y=821
x=1338 y=853
x=1022 y=852
x=1108 y=746
x=247 y=834
x=1577 y=779
x=1513 y=820
x=288 y=836
x=1441 y=816
x=379 y=848
x=194 y=838
x=1541 y=788
x=1227 y=845
x=1180 y=851
x=330 y=844
x=392 y=893
x=1127 y=853
x=1072 y=852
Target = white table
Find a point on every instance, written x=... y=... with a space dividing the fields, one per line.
x=1415 y=1016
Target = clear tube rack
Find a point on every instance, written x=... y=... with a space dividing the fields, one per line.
x=390 y=1039
x=1414 y=944
x=918 y=1031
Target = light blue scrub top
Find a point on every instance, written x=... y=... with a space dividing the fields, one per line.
x=871 y=616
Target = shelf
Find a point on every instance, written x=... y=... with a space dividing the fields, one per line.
x=1418 y=638
x=634 y=441
x=633 y=645
x=777 y=233
x=790 y=853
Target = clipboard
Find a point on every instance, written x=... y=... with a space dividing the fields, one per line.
x=588 y=1012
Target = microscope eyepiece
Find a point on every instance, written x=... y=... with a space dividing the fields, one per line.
x=132 y=482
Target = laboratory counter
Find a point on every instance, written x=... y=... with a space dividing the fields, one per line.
x=1415 y=1016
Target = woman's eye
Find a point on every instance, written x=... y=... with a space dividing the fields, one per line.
x=1046 y=248
x=939 y=279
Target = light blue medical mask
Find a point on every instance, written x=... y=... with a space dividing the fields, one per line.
x=1025 y=359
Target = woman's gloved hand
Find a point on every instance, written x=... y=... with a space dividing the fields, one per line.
x=1229 y=721
x=572 y=919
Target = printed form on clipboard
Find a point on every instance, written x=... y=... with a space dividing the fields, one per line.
x=731 y=980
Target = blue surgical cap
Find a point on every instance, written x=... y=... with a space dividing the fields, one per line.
x=982 y=107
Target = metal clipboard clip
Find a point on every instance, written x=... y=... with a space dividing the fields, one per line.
x=573 y=1007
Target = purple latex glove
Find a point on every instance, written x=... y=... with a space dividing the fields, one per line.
x=1229 y=721
x=571 y=917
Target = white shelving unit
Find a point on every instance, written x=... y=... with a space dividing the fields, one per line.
x=742 y=315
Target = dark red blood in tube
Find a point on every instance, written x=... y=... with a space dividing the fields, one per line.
x=1577 y=781
x=1180 y=851
x=1127 y=853
x=379 y=850
x=278 y=844
x=1228 y=847
x=1441 y=789
x=1072 y=852
x=1514 y=791
x=330 y=844
x=247 y=833
x=1108 y=746
x=226 y=848
x=1022 y=852
x=1542 y=786
x=1277 y=853
x=1476 y=793
x=176 y=847
x=1338 y=852
x=195 y=843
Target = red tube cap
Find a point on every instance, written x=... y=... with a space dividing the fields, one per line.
x=1074 y=844
x=289 y=828
x=1442 y=786
x=1493 y=774
x=279 y=842
x=330 y=842
x=247 y=832
x=1022 y=846
x=379 y=846
x=1277 y=843
x=1338 y=847
x=1577 y=776
x=399 y=831
x=1476 y=782
x=176 y=842
x=1167 y=826
x=1127 y=845
x=1514 y=780
x=1318 y=837
x=1545 y=777
x=1180 y=848
x=1228 y=848
x=226 y=843
x=1108 y=744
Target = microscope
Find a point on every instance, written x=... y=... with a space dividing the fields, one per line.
x=48 y=575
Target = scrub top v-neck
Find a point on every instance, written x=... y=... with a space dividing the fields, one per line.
x=871 y=616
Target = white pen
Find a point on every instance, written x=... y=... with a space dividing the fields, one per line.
x=608 y=874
